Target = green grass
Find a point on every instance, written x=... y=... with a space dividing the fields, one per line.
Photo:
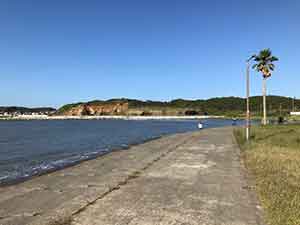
x=293 y=118
x=273 y=157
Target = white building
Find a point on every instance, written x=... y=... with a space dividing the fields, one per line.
x=295 y=113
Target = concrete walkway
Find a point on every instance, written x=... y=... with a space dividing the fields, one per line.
x=200 y=182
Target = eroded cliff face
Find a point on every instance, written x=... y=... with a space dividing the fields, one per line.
x=98 y=108
x=118 y=108
x=155 y=112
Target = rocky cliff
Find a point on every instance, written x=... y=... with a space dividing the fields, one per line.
x=96 y=109
x=123 y=107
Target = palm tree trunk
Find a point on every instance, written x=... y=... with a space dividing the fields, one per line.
x=264 y=91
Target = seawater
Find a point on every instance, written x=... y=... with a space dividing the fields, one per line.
x=29 y=148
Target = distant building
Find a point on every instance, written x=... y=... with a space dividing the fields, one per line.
x=295 y=113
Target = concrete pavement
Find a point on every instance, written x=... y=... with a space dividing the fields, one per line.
x=200 y=182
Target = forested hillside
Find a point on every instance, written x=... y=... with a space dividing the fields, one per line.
x=213 y=106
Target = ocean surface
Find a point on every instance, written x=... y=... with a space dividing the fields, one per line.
x=29 y=148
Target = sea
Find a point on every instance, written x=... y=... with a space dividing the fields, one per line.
x=35 y=147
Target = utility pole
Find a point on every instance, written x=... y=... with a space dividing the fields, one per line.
x=293 y=104
x=247 y=96
x=280 y=109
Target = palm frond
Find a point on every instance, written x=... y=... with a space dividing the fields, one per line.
x=271 y=66
x=264 y=62
x=265 y=53
x=251 y=57
x=273 y=59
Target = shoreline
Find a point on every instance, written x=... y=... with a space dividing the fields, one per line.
x=44 y=117
x=23 y=179
x=53 y=196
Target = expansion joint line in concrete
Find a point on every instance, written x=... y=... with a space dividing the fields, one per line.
x=132 y=176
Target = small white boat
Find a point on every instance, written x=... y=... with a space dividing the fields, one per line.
x=200 y=125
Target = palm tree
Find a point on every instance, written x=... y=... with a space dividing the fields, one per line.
x=264 y=64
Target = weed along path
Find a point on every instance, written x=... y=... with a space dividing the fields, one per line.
x=201 y=181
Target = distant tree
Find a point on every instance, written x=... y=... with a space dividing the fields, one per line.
x=264 y=64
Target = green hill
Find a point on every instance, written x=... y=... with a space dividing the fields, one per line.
x=17 y=109
x=231 y=106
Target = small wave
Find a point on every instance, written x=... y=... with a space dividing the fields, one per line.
x=3 y=178
x=22 y=172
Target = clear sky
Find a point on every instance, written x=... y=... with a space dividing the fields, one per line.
x=61 y=51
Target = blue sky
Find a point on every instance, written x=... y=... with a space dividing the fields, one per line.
x=62 y=51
